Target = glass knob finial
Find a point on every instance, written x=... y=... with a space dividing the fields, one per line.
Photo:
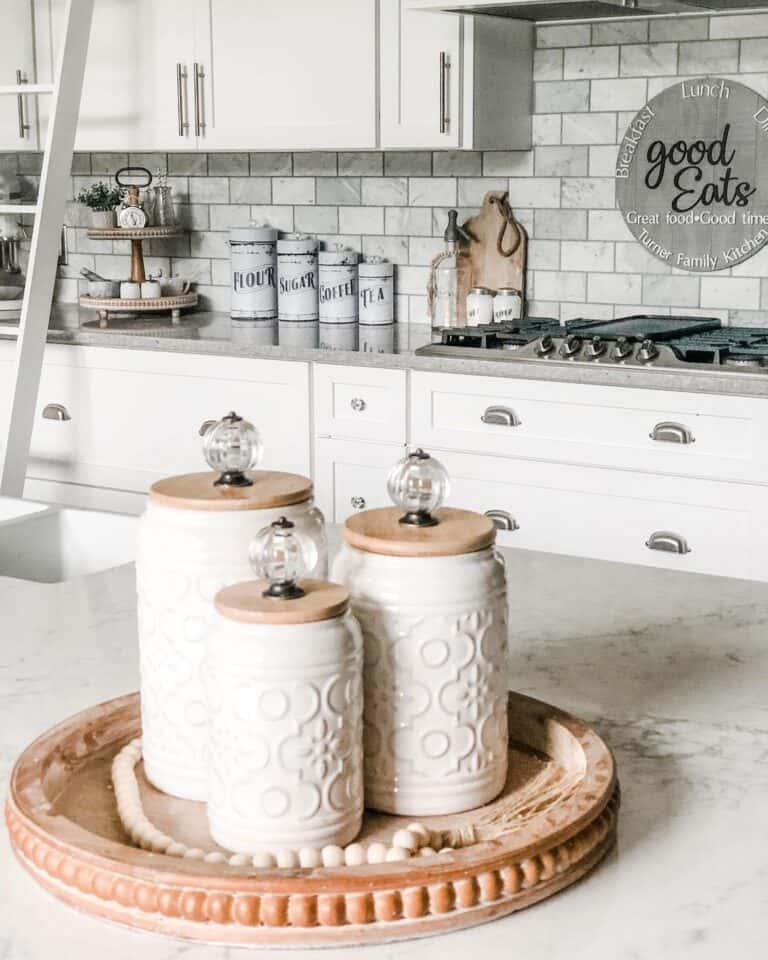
x=231 y=446
x=277 y=555
x=419 y=484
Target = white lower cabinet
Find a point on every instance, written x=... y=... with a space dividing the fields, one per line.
x=616 y=515
x=351 y=475
x=117 y=420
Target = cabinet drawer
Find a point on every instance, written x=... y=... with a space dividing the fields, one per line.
x=134 y=416
x=627 y=428
x=352 y=475
x=613 y=515
x=365 y=403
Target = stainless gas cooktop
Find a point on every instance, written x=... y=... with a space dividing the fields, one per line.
x=649 y=342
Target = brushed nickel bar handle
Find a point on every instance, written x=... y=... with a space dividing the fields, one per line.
x=24 y=127
x=181 y=78
x=199 y=74
x=669 y=432
x=445 y=65
x=667 y=542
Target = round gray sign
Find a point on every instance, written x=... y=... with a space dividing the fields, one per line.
x=692 y=175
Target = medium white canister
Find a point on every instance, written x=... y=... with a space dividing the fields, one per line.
x=338 y=286
x=283 y=676
x=297 y=278
x=193 y=540
x=254 y=273
x=429 y=592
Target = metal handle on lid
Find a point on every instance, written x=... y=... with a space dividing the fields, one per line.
x=55 y=411
x=357 y=404
x=503 y=416
x=502 y=520
x=24 y=127
x=667 y=542
x=669 y=432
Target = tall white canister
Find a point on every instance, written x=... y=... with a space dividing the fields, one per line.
x=429 y=592
x=254 y=274
x=193 y=540
x=283 y=675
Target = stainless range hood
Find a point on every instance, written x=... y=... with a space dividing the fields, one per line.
x=548 y=10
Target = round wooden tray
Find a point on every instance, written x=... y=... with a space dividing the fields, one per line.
x=106 y=306
x=134 y=233
x=554 y=821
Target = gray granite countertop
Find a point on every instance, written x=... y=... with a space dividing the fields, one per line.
x=671 y=668
x=216 y=334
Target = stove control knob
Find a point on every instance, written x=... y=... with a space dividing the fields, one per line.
x=623 y=349
x=648 y=351
x=571 y=346
x=595 y=348
x=545 y=346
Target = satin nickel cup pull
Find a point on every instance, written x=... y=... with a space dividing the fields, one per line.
x=667 y=542
x=502 y=520
x=669 y=432
x=503 y=416
x=55 y=411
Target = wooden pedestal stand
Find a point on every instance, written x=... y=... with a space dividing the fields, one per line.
x=174 y=305
x=553 y=822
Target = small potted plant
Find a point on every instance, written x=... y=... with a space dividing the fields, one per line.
x=102 y=199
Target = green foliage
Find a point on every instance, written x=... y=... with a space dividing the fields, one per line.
x=101 y=196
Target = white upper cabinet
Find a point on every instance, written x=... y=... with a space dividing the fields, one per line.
x=290 y=74
x=18 y=115
x=137 y=90
x=451 y=81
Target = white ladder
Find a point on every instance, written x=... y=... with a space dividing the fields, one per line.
x=43 y=258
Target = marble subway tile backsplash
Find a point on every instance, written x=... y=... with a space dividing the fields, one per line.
x=590 y=81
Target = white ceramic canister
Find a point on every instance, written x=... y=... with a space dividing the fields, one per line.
x=430 y=595
x=377 y=291
x=297 y=278
x=254 y=273
x=507 y=305
x=193 y=540
x=479 y=306
x=338 y=286
x=283 y=677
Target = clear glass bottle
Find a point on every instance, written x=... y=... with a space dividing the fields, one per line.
x=445 y=312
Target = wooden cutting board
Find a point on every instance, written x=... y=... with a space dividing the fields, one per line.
x=495 y=251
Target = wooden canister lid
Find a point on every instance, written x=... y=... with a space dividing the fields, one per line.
x=459 y=531
x=246 y=603
x=198 y=491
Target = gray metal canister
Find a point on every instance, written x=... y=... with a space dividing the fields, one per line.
x=338 y=286
x=377 y=291
x=297 y=287
x=254 y=273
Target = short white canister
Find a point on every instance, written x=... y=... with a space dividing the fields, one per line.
x=429 y=592
x=193 y=540
x=283 y=675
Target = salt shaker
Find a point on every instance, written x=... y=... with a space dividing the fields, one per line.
x=429 y=592
x=193 y=540
x=283 y=675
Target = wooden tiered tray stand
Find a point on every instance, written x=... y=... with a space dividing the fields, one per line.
x=107 y=306
x=555 y=820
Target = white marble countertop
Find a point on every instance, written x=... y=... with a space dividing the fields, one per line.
x=672 y=669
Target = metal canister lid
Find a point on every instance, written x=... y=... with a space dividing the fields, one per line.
x=482 y=291
x=373 y=267
x=297 y=243
x=255 y=234
x=338 y=258
x=508 y=292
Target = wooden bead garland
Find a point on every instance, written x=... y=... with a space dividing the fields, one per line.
x=415 y=840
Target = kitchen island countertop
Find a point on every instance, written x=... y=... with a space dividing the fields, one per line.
x=217 y=335
x=671 y=668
